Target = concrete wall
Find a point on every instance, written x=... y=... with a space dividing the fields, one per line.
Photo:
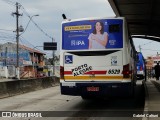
x=11 y=88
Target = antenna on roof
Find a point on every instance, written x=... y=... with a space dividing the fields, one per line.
x=64 y=16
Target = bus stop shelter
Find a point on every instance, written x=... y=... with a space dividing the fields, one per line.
x=142 y=16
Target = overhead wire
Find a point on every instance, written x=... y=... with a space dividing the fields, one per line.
x=28 y=44
x=46 y=34
x=149 y=49
x=6 y=30
x=147 y=43
x=10 y=2
x=6 y=37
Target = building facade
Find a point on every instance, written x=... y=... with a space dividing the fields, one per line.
x=152 y=61
x=30 y=60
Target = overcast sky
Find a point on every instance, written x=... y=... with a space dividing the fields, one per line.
x=50 y=18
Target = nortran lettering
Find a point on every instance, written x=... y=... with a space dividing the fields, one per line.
x=80 y=70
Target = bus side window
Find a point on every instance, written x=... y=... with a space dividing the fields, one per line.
x=137 y=58
x=114 y=28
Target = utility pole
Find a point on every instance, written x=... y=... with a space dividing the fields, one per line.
x=53 y=60
x=17 y=38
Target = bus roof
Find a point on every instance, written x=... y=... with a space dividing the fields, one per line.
x=90 y=18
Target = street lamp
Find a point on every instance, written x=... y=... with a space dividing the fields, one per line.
x=29 y=22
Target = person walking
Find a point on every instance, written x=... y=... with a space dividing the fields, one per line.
x=157 y=71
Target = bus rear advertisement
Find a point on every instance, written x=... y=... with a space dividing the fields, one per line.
x=97 y=58
x=75 y=35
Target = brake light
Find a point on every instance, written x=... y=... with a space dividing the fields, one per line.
x=141 y=68
x=126 y=71
x=61 y=72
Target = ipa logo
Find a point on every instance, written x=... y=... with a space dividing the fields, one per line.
x=77 y=42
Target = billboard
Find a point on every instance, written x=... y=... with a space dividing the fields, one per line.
x=92 y=34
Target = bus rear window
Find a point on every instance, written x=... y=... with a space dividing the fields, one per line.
x=93 y=53
x=114 y=28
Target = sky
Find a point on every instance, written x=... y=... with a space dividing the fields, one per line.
x=50 y=18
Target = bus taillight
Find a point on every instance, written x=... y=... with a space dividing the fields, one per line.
x=61 y=72
x=141 y=68
x=126 y=71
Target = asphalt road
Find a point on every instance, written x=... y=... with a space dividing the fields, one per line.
x=64 y=107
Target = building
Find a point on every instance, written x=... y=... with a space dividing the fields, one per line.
x=152 y=61
x=149 y=62
x=31 y=61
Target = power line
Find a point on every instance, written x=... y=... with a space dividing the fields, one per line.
x=6 y=40
x=27 y=14
x=140 y=46
x=46 y=34
x=5 y=35
x=10 y=2
x=26 y=42
x=147 y=43
x=150 y=49
x=6 y=30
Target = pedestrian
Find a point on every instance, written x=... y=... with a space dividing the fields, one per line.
x=157 y=71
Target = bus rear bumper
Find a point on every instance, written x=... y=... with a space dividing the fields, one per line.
x=102 y=89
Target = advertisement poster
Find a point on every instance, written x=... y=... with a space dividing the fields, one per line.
x=92 y=34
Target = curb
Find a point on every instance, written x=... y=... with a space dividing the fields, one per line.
x=146 y=101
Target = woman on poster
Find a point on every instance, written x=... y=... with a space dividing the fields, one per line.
x=98 y=39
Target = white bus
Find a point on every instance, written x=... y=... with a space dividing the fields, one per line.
x=97 y=58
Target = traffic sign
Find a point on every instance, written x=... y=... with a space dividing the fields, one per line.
x=50 y=46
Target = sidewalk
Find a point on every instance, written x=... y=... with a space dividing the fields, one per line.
x=152 y=99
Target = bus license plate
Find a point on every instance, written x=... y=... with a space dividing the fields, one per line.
x=92 y=88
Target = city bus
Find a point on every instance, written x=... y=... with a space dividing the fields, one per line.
x=141 y=67
x=97 y=58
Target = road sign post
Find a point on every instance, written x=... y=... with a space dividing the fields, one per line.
x=51 y=46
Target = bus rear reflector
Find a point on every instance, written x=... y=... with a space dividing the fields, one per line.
x=61 y=72
x=126 y=71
